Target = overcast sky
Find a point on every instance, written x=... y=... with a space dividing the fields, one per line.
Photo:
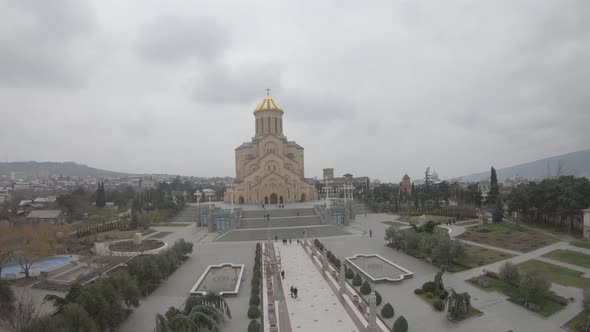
x=376 y=88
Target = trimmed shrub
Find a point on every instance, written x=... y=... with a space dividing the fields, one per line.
x=428 y=287
x=439 y=305
x=349 y=273
x=443 y=295
x=492 y=275
x=429 y=295
x=253 y=312
x=400 y=325
x=365 y=288
x=379 y=299
x=254 y=326
x=357 y=280
x=387 y=311
x=418 y=291
x=255 y=290
x=255 y=300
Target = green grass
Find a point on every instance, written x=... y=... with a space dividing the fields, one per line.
x=582 y=317
x=475 y=257
x=570 y=257
x=160 y=235
x=467 y=223
x=556 y=273
x=549 y=306
x=581 y=244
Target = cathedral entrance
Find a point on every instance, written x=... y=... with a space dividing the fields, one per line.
x=241 y=200
x=302 y=197
x=273 y=199
x=281 y=200
x=265 y=199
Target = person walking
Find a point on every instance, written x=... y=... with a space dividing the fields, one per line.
x=289 y=240
x=276 y=238
x=370 y=233
x=283 y=274
x=295 y=292
x=291 y=291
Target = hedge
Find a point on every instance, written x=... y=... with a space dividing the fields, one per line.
x=253 y=312
x=255 y=300
x=439 y=305
x=400 y=325
x=357 y=280
x=387 y=311
x=254 y=326
x=379 y=299
x=418 y=291
x=365 y=288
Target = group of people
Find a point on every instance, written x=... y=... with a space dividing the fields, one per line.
x=285 y=240
x=294 y=292
x=267 y=217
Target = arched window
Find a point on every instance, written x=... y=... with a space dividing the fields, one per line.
x=269 y=124
x=276 y=125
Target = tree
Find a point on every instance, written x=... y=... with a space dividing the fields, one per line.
x=534 y=286
x=400 y=324
x=494 y=189
x=200 y=311
x=387 y=311
x=19 y=315
x=586 y=302
x=458 y=305
x=75 y=319
x=498 y=210
x=509 y=273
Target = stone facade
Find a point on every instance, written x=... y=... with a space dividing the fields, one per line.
x=270 y=168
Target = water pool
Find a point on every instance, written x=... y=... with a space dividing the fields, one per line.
x=44 y=264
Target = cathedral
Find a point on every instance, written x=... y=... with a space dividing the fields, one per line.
x=270 y=169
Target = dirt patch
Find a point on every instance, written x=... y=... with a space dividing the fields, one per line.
x=507 y=236
x=128 y=246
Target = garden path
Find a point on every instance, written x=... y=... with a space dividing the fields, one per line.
x=317 y=308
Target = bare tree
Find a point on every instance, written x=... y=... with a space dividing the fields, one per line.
x=16 y=317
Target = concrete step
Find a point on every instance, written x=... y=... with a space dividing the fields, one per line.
x=281 y=222
x=278 y=213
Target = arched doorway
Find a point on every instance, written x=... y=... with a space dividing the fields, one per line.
x=265 y=199
x=241 y=200
x=273 y=199
x=302 y=197
x=281 y=200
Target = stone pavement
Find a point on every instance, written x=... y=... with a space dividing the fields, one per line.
x=317 y=308
x=262 y=234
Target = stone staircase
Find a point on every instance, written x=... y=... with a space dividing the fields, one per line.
x=280 y=218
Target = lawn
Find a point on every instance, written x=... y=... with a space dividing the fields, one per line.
x=562 y=275
x=160 y=235
x=549 y=306
x=507 y=235
x=169 y=225
x=582 y=317
x=581 y=244
x=570 y=257
x=467 y=223
x=475 y=257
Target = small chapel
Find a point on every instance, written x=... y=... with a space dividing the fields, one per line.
x=270 y=169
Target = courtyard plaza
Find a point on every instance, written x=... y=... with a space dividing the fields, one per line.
x=499 y=314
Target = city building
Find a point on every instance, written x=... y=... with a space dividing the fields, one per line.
x=270 y=169
x=406 y=184
x=55 y=217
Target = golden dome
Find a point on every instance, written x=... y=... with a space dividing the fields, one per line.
x=268 y=104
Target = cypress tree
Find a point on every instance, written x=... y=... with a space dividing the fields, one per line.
x=494 y=189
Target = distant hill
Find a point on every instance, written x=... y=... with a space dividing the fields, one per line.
x=33 y=168
x=575 y=163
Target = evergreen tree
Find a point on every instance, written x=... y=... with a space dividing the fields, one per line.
x=494 y=189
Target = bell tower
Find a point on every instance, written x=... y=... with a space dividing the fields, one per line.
x=269 y=117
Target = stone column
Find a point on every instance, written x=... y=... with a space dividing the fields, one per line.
x=324 y=260
x=342 y=279
x=372 y=326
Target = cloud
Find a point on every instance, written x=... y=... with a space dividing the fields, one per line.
x=176 y=39
x=40 y=42
x=219 y=84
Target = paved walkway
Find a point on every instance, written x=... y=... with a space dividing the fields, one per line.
x=317 y=308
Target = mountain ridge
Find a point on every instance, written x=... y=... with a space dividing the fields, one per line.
x=575 y=163
x=67 y=168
